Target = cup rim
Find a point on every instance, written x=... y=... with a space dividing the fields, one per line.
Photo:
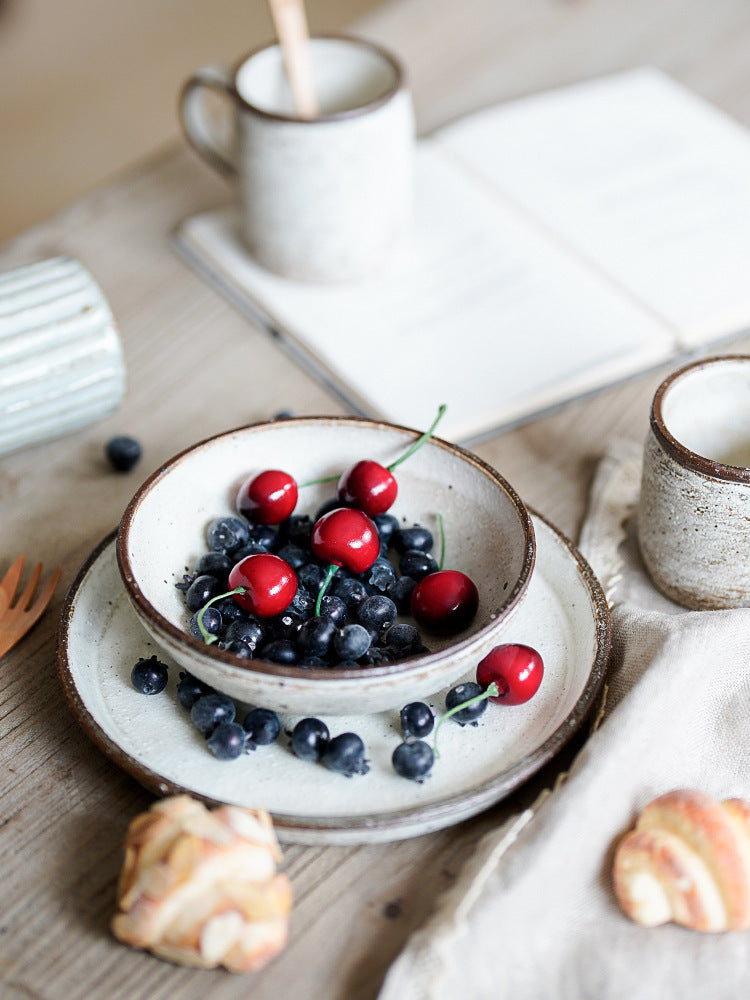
x=336 y=116
x=675 y=449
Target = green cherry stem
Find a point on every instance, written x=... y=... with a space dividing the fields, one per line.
x=317 y=482
x=441 y=526
x=489 y=692
x=324 y=586
x=207 y=636
x=420 y=440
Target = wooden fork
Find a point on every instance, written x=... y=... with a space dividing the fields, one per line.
x=16 y=619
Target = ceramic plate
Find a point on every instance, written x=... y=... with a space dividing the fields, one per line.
x=564 y=615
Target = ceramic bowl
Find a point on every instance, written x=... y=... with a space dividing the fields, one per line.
x=488 y=535
x=694 y=509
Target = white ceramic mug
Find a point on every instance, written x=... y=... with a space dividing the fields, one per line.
x=326 y=198
x=694 y=509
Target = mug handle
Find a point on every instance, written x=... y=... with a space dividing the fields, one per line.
x=201 y=130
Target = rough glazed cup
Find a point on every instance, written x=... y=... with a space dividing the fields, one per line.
x=324 y=198
x=694 y=510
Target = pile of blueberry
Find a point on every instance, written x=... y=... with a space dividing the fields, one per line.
x=356 y=620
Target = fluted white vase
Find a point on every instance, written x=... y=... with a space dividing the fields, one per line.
x=61 y=361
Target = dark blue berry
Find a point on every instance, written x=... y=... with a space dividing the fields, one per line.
x=415 y=537
x=227 y=741
x=280 y=651
x=400 y=593
x=296 y=530
x=377 y=613
x=314 y=637
x=413 y=759
x=295 y=555
x=284 y=626
x=227 y=534
x=349 y=590
x=380 y=575
x=149 y=676
x=262 y=726
x=190 y=689
x=303 y=603
x=333 y=608
x=207 y=712
x=402 y=639
x=249 y=631
x=387 y=526
x=310 y=577
x=264 y=536
x=200 y=591
x=351 y=642
x=465 y=692
x=328 y=505
x=250 y=548
x=346 y=755
x=123 y=453
x=309 y=738
x=230 y=610
x=239 y=649
x=283 y=415
x=417 y=564
x=417 y=719
x=211 y=620
x=216 y=564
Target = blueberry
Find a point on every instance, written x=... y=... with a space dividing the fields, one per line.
x=295 y=555
x=349 y=590
x=280 y=651
x=400 y=593
x=226 y=534
x=417 y=564
x=351 y=642
x=297 y=529
x=378 y=613
x=328 y=505
x=250 y=548
x=201 y=591
x=211 y=620
x=123 y=453
x=227 y=741
x=314 y=637
x=309 y=738
x=239 y=649
x=375 y=656
x=310 y=577
x=415 y=537
x=249 y=631
x=417 y=719
x=465 y=692
x=190 y=689
x=284 y=626
x=230 y=610
x=149 y=676
x=333 y=608
x=346 y=755
x=262 y=726
x=380 y=575
x=303 y=603
x=413 y=759
x=402 y=639
x=387 y=526
x=207 y=712
x=216 y=564
x=264 y=536
x=283 y=415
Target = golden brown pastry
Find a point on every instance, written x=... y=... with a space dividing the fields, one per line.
x=687 y=860
x=200 y=887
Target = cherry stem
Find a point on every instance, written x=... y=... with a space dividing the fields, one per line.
x=324 y=586
x=317 y=482
x=420 y=440
x=442 y=540
x=492 y=691
x=208 y=637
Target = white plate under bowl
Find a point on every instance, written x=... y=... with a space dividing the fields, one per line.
x=564 y=616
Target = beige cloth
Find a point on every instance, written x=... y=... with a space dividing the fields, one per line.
x=533 y=916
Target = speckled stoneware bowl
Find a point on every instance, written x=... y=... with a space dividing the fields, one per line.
x=489 y=536
x=694 y=510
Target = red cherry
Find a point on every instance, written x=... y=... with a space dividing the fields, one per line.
x=516 y=669
x=346 y=537
x=444 y=602
x=269 y=581
x=368 y=485
x=268 y=497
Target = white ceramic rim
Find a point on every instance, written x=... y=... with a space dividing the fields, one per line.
x=681 y=454
x=322 y=674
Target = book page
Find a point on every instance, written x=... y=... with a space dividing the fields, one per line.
x=646 y=181
x=479 y=311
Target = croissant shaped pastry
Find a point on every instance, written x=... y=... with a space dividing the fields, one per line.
x=687 y=861
x=200 y=887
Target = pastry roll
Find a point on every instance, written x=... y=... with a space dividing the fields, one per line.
x=687 y=861
x=200 y=887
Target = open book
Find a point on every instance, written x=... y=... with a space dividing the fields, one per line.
x=562 y=242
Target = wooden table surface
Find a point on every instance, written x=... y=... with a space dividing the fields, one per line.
x=196 y=367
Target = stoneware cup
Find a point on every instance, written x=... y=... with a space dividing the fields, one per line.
x=694 y=510
x=324 y=198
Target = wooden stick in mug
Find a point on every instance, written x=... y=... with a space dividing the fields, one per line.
x=290 y=23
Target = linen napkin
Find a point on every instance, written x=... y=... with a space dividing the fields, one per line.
x=533 y=915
